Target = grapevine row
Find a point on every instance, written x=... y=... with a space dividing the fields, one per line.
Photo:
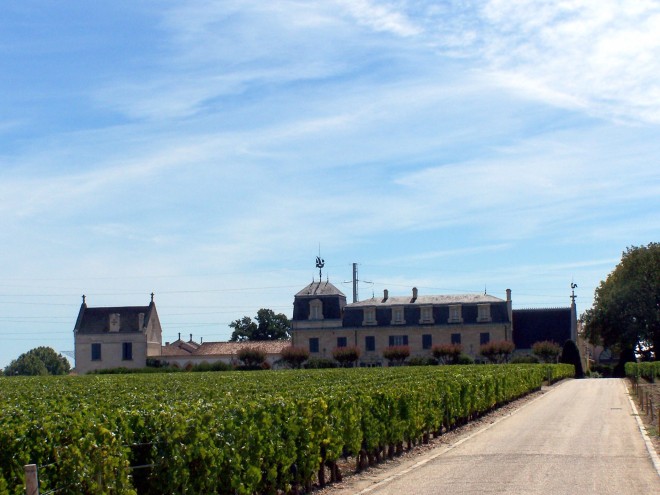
x=244 y=433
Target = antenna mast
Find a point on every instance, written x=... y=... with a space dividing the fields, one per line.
x=356 y=282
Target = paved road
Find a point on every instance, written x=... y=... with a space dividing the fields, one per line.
x=579 y=438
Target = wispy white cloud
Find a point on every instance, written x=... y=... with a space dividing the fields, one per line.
x=602 y=57
x=381 y=17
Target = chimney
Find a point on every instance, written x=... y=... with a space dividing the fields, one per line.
x=414 y=297
x=191 y=337
x=179 y=335
x=386 y=294
x=509 y=305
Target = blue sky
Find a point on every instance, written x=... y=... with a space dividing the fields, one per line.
x=205 y=150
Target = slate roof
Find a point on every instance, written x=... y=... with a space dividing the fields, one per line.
x=536 y=325
x=320 y=289
x=224 y=348
x=422 y=300
x=96 y=320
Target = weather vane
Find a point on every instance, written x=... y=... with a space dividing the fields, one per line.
x=320 y=263
x=573 y=287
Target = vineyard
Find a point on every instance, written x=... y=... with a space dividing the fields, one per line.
x=249 y=432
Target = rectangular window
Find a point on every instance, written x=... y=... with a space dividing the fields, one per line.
x=426 y=314
x=397 y=316
x=369 y=316
x=455 y=338
x=314 y=344
x=398 y=340
x=370 y=343
x=455 y=314
x=341 y=342
x=427 y=341
x=483 y=312
x=127 y=351
x=484 y=338
x=96 y=352
x=316 y=310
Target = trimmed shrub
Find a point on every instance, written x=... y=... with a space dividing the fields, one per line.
x=497 y=351
x=346 y=356
x=251 y=357
x=396 y=354
x=546 y=351
x=571 y=355
x=447 y=353
x=320 y=363
x=294 y=356
x=525 y=359
x=464 y=359
x=421 y=361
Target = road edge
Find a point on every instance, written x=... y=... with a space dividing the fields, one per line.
x=642 y=429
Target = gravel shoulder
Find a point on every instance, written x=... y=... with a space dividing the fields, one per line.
x=651 y=424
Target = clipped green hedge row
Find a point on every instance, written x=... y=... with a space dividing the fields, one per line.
x=250 y=432
x=649 y=370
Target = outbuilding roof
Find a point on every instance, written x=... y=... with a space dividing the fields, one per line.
x=224 y=348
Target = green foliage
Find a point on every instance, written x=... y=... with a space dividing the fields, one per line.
x=603 y=370
x=464 y=359
x=447 y=353
x=233 y=432
x=37 y=362
x=646 y=369
x=497 y=351
x=571 y=355
x=525 y=359
x=625 y=313
x=396 y=354
x=422 y=361
x=320 y=363
x=268 y=326
x=346 y=356
x=295 y=356
x=252 y=357
x=546 y=351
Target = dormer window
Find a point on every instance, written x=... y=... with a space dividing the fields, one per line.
x=316 y=310
x=455 y=315
x=114 y=322
x=483 y=313
x=426 y=314
x=369 y=316
x=397 y=316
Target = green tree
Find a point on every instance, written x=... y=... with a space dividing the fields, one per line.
x=447 y=353
x=346 y=356
x=546 y=351
x=268 y=326
x=497 y=351
x=38 y=361
x=396 y=354
x=626 y=311
x=252 y=357
x=295 y=356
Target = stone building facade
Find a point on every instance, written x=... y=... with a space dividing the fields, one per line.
x=116 y=337
x=323 y=320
